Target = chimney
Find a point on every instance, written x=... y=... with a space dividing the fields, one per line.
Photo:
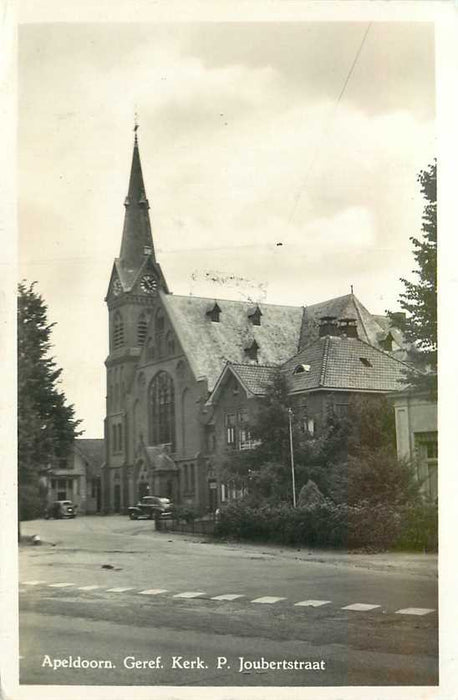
x=398 y=319
x=348 y=327
x=328 y=326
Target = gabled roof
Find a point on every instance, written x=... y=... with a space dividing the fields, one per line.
x=253 y=378
x=159 y=459
x=209 y=345
x=346 y=364
x=93 y=452
x=372 y=329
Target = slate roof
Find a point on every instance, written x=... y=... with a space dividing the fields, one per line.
x=255 y=378
x=93 y=451
x=372 y=329
x=210 y=345
x=335 y=363
x=158 y=459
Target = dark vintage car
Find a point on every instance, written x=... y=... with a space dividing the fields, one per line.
x=151 y=507
x=60 y=509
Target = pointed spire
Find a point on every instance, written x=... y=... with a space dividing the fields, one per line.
x=137 y=240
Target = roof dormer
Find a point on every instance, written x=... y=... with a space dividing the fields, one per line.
x=213 y=313
x=252 y=351
x=255 y=316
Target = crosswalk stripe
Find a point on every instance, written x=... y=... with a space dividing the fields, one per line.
x=414 y=611
x=269 y=600
x=312 y=603
x=360 y=606
x=88 y=588
x=189 y=594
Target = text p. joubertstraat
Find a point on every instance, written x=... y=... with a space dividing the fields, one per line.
x=263 y=664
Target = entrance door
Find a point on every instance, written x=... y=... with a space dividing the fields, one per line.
x=117 y=498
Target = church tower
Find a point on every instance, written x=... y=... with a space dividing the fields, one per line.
x=135 y=281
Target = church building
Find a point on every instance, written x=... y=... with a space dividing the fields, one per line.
x=184 y=372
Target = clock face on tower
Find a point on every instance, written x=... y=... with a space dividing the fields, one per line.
x=148 y=284
x=117 y=288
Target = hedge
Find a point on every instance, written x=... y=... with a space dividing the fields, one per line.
x=374 y=528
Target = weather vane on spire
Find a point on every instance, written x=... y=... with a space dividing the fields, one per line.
x=135 y=124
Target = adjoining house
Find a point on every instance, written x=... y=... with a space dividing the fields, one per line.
x=324 y=375
x=417 y=435
x=170 y=411
x=78 y=477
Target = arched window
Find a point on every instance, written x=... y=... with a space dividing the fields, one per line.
x=114 y=442
x=142 y=326
x=160 y=321
x=119 y=437
x=150 y=350
x=159 y=332
x=162 y=410
x=118 y=331
x=170 y=343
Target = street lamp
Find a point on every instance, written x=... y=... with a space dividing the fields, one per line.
x=293 y=478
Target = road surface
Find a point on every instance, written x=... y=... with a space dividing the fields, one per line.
x=107 y=601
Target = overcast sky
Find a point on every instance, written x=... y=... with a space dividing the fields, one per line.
x=308 y=135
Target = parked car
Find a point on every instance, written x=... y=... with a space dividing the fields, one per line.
x=151 y=507
x=60 y=509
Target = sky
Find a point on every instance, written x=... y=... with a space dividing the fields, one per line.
x=308 y=135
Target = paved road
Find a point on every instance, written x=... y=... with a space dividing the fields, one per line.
x=172 y=596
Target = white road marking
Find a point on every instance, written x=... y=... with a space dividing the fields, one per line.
x=313 y=603
x=268 y=599
x=60 y=585
x=88 y=588
x=360 y=606
x=153 y=591
x=228 y=596
x=31 y=583
x=119 y=590
x=414 y=611
x=189 y=594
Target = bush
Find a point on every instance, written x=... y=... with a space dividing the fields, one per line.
x=326 y=524
x=186 y=513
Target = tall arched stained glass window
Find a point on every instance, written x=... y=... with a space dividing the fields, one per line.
x=162 y=410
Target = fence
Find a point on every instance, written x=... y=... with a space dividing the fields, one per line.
x=195 y=527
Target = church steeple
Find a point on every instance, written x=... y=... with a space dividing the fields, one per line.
x=137 y=240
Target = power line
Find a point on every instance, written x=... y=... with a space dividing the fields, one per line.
x=328 y=124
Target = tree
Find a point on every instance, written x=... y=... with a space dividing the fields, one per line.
x=46 y=424
x=351 y=460
x=419 y=300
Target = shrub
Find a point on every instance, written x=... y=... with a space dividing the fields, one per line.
x=326 y=524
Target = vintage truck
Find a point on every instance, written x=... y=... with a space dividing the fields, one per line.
x=151 y=507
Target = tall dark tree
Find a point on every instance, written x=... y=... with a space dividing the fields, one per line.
x=46 y=424
x=419 y=300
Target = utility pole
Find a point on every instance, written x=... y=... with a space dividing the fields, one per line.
x=293 y=477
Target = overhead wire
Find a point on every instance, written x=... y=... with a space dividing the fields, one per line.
x=328 y=123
